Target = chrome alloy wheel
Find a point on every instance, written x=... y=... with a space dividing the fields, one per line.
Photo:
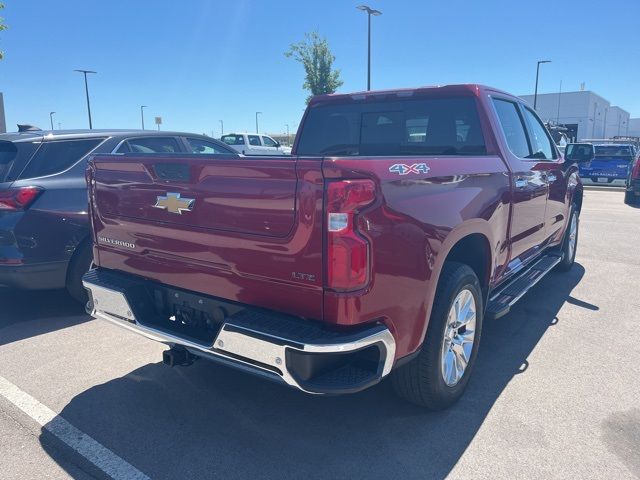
x=573 y=235
x=459 y=334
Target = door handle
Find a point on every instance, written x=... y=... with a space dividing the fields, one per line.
x=551 y=177
x=521 y=183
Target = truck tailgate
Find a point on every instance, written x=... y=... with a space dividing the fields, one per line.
x=243 y=229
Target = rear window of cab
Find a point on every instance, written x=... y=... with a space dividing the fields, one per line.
x=613 y=151
x=422 y=126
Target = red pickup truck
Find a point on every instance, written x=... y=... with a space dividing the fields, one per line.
x=402 y=220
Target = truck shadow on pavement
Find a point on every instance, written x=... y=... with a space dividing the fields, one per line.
x=207 y=421
x=25 y=314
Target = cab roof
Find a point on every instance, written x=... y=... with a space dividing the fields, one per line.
x=467 y=88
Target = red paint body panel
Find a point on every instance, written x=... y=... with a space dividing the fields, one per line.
x=256 y=234
x=242 y=243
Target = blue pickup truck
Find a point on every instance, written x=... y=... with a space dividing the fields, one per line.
x=610 y=164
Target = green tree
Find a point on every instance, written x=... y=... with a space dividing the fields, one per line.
x=316 y=58
x=2 y=27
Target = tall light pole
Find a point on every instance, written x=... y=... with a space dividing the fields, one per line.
x=86 y=91
x=142 y=107
x=288 y=140
x=51 y=118
x=370 y=11
x=535 y=95
x=257 y=113
x=221 y=128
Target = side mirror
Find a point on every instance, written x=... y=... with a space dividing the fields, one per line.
x=579 y=152
x=277 y=144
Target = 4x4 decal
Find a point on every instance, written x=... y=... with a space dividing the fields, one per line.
x=404 y=169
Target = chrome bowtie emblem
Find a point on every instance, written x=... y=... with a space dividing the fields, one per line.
x=174 y=203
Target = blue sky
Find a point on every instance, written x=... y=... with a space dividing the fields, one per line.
x=195 y=62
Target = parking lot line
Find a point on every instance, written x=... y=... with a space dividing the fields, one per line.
x=103 y=458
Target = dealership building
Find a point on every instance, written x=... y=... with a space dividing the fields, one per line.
x=586 y=114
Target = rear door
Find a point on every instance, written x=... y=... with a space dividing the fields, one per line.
x=550 y=163
x=529 y=188
x=239 y=228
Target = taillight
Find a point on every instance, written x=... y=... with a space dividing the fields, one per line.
x=347 y=251
x=635 y=174
x=18 y=198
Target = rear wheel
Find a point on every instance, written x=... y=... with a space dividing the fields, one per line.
x=78 y=266
x=437 y=377
x=570 y=243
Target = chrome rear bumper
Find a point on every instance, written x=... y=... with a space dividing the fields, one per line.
x=276 y=351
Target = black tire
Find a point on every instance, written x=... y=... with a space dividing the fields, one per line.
x=78 y=266
x=569 y=257
x=421 y=380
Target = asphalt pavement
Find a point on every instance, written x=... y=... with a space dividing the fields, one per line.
x=555 y=393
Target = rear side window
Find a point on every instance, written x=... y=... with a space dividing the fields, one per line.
x=233 y=139
x=197 y=145
x=513 y=127
x=13 y=158
x=254 y=140
x=55 y=157
x=150 y=145
x=437 y=126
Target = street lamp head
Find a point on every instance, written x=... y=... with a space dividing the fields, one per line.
x=51 y=113
x=544 y=61
x=85 y=71
x=369 y=10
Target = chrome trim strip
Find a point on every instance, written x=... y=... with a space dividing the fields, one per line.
x=231 y=343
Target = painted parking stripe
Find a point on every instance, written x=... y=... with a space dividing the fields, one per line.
x=95 y=452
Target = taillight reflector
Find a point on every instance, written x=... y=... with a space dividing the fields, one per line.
x=347 y=251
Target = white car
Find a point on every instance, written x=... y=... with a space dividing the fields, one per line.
x=254 y=144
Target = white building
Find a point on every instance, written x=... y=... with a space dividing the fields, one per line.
x=634 y=127
x=585 y=113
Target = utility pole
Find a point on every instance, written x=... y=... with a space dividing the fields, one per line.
x=257 y=113
x=221 y=128
x=559 y=95
x=142 y=107
x=288 y=140
x=370 y=11
x=86 y=90
x=51 y=118
x=535 y=95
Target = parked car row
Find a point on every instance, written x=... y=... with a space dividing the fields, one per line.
x=44 y=226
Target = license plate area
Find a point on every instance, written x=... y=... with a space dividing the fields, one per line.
x=186 y=315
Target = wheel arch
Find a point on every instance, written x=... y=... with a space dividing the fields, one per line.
x=471 y=244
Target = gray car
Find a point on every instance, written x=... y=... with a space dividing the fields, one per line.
x=44 y=226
